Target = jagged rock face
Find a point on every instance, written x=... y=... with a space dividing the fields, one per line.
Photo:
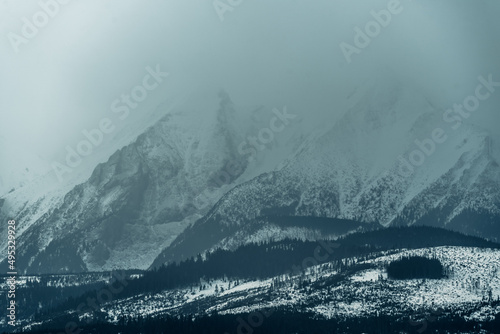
x=136 y=203
x=141 y=204
x=360 y=170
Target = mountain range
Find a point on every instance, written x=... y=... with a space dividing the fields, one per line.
x=194 y=182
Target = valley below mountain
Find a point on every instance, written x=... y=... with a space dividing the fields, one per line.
x=336 y=285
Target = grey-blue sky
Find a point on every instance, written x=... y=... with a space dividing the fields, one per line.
x=276 y=53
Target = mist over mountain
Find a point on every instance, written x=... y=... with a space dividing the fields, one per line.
x=360 y=169
x=326 y=166
x=147 y=193
x=196 y=181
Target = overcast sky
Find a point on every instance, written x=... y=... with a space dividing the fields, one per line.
x=271 y=52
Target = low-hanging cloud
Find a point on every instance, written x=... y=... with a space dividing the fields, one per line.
x=277 y=52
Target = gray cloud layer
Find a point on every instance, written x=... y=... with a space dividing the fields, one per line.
x=279 y=52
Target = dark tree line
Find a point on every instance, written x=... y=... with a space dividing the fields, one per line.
x=415 y=267
x=264 y=260
x=253 y=261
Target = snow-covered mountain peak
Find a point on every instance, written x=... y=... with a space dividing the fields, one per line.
x=390 y=159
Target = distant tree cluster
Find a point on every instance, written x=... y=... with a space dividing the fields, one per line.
x=286 y=261
x=263 y=260
x=415 y=267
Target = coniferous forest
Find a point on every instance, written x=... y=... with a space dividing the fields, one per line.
x=282 y=258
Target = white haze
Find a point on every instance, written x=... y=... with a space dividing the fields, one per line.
x=270 y=52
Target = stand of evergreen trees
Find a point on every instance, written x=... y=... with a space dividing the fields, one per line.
x=415 y=267
x=258 y=261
